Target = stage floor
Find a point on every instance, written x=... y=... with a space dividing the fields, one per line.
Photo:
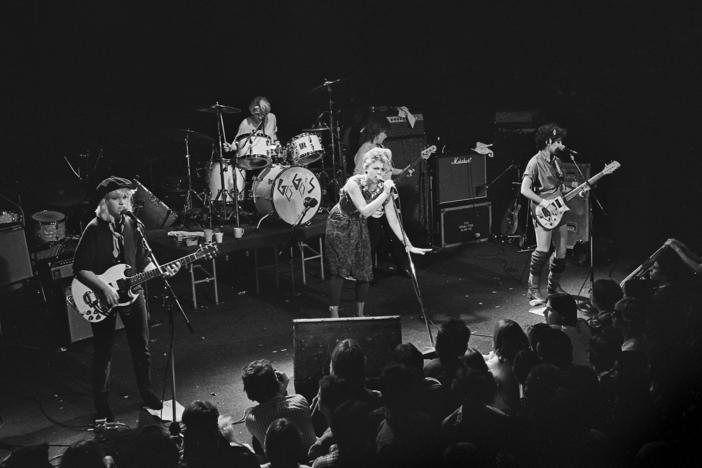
x=45 y=396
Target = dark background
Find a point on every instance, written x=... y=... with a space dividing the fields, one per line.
x=83 y=78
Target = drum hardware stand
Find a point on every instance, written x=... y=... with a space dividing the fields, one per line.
x=169 y=299
x=412 y=270
x=221 y=137
x=188 y=206
x=590 y=236
x=333 y=131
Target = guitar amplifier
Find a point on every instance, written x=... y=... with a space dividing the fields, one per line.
x=61 y=269
x=463 y=224
x=577 y=219
x=78 y=327
x=459 y=177
x=400 y=126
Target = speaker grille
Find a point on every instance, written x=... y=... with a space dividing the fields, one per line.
x=15 y=264
x=460 y=177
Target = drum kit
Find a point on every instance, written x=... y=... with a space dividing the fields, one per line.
x=274 y=178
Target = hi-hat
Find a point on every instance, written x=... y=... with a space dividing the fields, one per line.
x=213 y=108
x=179 y=134
x=327 y=84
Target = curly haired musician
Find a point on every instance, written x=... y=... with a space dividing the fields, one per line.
x=109 y=239
x=543 y=175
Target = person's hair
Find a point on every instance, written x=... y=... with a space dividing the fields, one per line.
x=452 y=339
x=333 y=390
x=541 y=384
x=262 y=102
x=535 y=333
x=349 y=424
x=409 y=355
x=548 y=133
x=604 y=350
x=564 y=305
x=200 y=419
x=474 y=386
x=349 y=361
x=283 y=443
x=376 y=155
x=156 y=448
x=555 y=348
x=605 y=293
x=400 y=386
x=508 y=338
x=376 y=123
x=83 y=454
x=522 y=364
x=260 y=382
x=101 y=210
x=473 y=359
x=630 y=314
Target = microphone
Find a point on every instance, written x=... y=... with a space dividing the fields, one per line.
x=310 y=202
x=392 y=190
x=133 y=216
x=569 y=150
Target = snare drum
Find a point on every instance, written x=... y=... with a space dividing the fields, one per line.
x=215 y=180
x=253 y=151
x=49 y=226
x=284 y=190
x=305 y=149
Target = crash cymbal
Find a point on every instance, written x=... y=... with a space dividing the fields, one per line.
x=317 y=129
x=219 y=108
x=179 y=134
x=326 y=84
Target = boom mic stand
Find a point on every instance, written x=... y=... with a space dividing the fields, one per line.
x=412 y=270
x=590 y=236
x=170 y=298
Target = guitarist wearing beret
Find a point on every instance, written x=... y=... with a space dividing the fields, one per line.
x=111 y=238
x=542 y=175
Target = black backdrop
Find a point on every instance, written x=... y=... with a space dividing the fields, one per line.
x=87 y=76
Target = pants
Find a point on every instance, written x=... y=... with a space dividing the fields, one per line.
x=136 y=326
x=383 y=240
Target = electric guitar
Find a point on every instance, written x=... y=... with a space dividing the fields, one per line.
x=423 y=155
x=510 y=220
x=94 y=308
x=550 y=216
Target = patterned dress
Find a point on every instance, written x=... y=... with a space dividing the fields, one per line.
x=347 y=243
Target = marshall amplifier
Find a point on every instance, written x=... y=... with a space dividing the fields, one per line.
x=459 y=178
x=400 y=126
x=577 y=219
x=465 y=223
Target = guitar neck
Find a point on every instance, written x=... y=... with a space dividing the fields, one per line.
x=155 y=273
x=580 y=187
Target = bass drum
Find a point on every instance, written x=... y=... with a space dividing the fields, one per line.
x=215 y=179
x=284 y=191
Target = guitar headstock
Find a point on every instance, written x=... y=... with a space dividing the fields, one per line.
x=207 y=251
x=428 y=151
x=611 y=167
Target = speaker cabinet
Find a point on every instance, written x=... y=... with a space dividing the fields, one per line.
x=151 y=210
x=315 y=339
x=465 y=223
x=459 y=178
x=15 y=264
x=577 y=219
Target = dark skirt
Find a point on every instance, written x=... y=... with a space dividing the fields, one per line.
x=347 y=246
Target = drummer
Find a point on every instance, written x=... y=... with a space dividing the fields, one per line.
x=260 y=120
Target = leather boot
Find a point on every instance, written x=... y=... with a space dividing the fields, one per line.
x=334 y=311
x=556 y=267
x=538 y=260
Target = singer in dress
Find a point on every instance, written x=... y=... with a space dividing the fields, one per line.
x=347 y=244
x=543 y=175
x=111 y=238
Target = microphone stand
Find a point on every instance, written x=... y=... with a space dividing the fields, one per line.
x=169 y=299
x=412 y=270
x=590 y=236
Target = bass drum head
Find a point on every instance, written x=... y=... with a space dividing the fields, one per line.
x=283 y=190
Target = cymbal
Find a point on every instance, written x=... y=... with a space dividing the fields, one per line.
x=179 y=134
x=219 y=108
x=318 y=129
x=327 y=83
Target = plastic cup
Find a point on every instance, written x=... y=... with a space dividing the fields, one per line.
x=208 y=234
x=218 y=237
x=238 y=232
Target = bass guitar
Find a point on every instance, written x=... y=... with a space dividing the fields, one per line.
x=550 y=216
x=93 y=307
x=423 y=155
